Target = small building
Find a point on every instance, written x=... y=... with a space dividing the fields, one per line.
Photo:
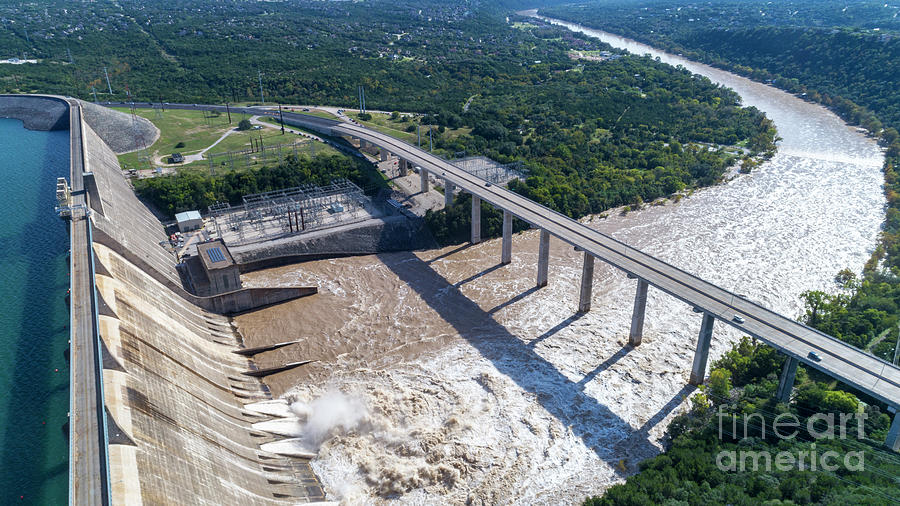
x=176 y=158
x=213 y=270
x=189 y=220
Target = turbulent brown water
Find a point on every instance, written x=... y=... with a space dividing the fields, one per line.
x=467 y=385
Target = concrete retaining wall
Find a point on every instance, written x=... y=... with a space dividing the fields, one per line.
x=395 y=233
x=37 y=112
x=255 y=298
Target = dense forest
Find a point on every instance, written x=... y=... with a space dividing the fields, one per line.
x=699 y=468
x=592 y=134
x=844 y=55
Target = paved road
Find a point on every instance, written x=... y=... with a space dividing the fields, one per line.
x=87 y=453
x=839 y=360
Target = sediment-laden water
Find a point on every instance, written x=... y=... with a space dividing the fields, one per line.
x=34 y=373
x=474 y=387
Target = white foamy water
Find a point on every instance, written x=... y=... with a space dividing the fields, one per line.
x=524 y=402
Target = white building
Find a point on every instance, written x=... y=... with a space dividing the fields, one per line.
x=189 y=220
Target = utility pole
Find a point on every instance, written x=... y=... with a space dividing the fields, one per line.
x=228 y=110
x=430 y=139
x=418 y=136
x=107 y=80
x=94 y=90
x=361 y=95
x=896 y=352
x=261 y=99
x=281 y=118
x=69 y=53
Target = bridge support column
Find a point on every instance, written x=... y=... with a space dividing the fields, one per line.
x=404 y=167
x=701 y=356
x=637 y=317
x=423 y=180
x=587 y=283
x=893 y=437
x=506 y=252
x=543 y=259
x=448 y=193
x=476 y=219
x=786 y=383
x=385 y=155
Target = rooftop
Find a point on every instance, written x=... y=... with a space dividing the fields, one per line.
x=187 y=216
x=214 y=255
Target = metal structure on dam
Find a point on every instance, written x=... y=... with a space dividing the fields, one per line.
x=157 y=391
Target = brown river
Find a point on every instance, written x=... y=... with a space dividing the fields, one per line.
x=444 y=378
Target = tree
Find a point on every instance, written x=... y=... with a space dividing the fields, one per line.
x=720 y=384
x=244 y=125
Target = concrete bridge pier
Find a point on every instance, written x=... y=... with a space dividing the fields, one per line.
x=448 y=193
x=404 y=167
x=423 y=180
x=587 y=283
x=543 y=259
x=701 y=356
x=893 y=437
x=385 y=154
x=476 y=219
x=637 y=317
x=506 y=253
x=786 y=383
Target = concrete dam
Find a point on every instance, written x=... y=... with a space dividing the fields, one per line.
x=160 y=380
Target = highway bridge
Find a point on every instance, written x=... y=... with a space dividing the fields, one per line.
x=801 y=344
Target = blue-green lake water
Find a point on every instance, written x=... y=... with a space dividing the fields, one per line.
x=34 y=317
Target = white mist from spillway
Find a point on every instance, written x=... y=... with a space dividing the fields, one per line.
x=524 y=403
x=333 y=413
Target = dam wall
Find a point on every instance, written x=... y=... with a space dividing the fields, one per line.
x=174 y=388
x=176 y=391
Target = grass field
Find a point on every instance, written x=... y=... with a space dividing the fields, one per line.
x=198 y=130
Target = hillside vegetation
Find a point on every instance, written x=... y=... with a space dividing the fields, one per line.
x=592 y=134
